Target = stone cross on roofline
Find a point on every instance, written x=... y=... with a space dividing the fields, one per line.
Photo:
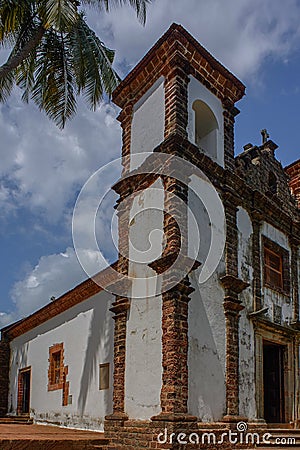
x=265 y=135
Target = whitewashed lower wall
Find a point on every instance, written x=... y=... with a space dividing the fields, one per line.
x=143 y=370
x=206 y=357
x=143 y=376
x=87 y=333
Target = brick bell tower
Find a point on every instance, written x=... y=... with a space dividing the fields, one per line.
x=178 y=100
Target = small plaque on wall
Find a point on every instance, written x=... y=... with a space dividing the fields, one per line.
x=104 y=376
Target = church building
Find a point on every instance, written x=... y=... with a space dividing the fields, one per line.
x=196 y=325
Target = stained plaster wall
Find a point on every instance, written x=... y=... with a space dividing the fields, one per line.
x=148 y=122
x=206 y=355
x=143 y=372
x=247 y=356
x=206 y=322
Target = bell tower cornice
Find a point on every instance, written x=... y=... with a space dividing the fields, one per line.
x=177 y=46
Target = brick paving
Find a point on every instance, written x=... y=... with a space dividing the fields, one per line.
x=43 y=437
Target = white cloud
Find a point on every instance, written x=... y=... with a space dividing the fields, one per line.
x=239 y=33
x=46 y=166
x=6 y=318
x=52 y=276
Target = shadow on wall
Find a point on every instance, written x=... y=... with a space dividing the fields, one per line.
x=19 y=361
x=206 y=371
x=100 y=339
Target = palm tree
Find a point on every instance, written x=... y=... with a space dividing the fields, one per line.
x=55 y=55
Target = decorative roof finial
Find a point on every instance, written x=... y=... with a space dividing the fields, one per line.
x=265 y=135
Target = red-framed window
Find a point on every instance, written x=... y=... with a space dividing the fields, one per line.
x=56 y=367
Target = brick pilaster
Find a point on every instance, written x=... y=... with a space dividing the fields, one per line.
x=232 y=309
x=120 y=308
x=231 y=245
x=176 y=96
x=230 y=112
x=125 y=118
x=4 y=376
x=233 y=286
x=175 y=215
x=123 y=237
x=174 y=392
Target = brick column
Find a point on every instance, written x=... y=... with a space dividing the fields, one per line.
x=256 y=262
x=4 y=376
x=120 y=308
x=231 y=245
x=176 y=96
x=121 y=305
x=230 y=112
x=174 y=392
x=123 y=205
x=125 y=117
x=233 y=286
x=232 y=309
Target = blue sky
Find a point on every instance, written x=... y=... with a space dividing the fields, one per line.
x=42 y=169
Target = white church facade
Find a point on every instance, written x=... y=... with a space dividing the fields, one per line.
x=203 y=333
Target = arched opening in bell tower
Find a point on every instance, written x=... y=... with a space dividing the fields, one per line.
x=206 y=128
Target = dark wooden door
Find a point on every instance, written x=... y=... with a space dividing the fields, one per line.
x=273 y=383
x=26 y=392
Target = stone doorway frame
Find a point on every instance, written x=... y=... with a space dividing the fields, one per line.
x=288 y=338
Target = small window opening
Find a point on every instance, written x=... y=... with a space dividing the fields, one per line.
x=276 y=265
x=104 y=376
x=272 y=183
x=56 y=362
x=206 y=127
x=56 y=367
x=273 y=269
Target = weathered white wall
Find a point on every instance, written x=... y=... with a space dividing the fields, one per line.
x=206 y=320
x=148 y=122
x=87 y=333
x=247 y=359
x=143 y=375
x=197 y=91
x=206 y=225
x=206 y=356
x=272 y=298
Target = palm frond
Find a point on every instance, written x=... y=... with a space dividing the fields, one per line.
x=53 y=90
x=92 y=64
x=13 y=14
x=59 y=14
x=25 y=75
x=55 y=55
x=6 y=86
x=139 y=6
